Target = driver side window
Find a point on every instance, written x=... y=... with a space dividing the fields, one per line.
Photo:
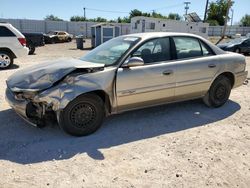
x=153 y=51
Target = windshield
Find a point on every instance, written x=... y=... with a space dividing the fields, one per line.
x=236 y=41
x=52 y=33
x=109 y=52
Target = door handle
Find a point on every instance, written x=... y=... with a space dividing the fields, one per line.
x=211 y=65
x=167 y=72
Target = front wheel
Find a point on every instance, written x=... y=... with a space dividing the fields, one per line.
x=237 y=50
x=218 y=93
x=83 y=115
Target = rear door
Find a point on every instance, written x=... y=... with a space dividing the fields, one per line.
x=196 y=66
x=150 y=84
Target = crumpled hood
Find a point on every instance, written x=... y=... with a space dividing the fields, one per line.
x=44 y=75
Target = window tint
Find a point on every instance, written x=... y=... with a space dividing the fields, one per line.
x=155 y=50
x=187 y=47
x=5 y=32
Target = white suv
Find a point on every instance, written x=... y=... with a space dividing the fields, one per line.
x=12 y=45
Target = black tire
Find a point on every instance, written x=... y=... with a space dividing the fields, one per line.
x=31 y=49
x=8 y=56
x=88 y=106
x=69 y=39
x=53 y=41
x=218 y=93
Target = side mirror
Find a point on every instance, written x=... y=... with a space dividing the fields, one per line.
x=133 y=62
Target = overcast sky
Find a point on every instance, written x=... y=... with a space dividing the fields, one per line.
x=31 y=9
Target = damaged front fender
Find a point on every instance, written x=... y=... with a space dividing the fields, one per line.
x=72 y=86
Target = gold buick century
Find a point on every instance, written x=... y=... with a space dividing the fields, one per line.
x=125 y=73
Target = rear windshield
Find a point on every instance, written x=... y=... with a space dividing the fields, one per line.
x=5 y=32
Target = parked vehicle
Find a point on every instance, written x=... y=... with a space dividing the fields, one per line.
x=57 y=36
x=238 y=45
x=125 y=73
x=34 y=40
x=12 y=45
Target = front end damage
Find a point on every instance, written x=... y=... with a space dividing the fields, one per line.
x=40 y=98
x=22 y=103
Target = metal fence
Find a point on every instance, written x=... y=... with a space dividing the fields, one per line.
x=84 y=28
x=231 y=30
x=75 y=28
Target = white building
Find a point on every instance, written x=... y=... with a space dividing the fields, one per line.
x=141 y=24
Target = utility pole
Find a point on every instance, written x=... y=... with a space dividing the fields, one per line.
x=186 y=7
x=232 y=16
x=84 y=10
x=205 y=14
x=229 y=4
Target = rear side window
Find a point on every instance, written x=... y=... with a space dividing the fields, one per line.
x=206 y=50
x=5 y=32
x=187 y=47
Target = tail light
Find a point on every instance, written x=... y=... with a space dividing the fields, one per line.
x=22 y=41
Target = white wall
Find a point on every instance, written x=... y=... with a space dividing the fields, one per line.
x=75 y=28
x=168 y=25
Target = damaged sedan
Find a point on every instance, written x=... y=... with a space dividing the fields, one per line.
x=125 y=73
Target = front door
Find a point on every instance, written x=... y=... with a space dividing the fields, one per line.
x=150 y=84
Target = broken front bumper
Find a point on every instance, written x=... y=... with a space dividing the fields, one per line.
x=20 y=106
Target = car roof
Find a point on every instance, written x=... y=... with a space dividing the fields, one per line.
x=149 y=35
x=4 y=23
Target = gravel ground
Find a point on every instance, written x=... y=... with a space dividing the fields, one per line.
x=177 y=145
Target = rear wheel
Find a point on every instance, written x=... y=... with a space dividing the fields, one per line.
x=218 y=93
x=83 y=115
x=69 y=39
x=6 y=60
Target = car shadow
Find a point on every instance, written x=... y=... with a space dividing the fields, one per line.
x=87 y=48
x=14 y=66
x=25 y=144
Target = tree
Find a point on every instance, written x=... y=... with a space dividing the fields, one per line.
x=98 y=19
x=245 y=20
x=51 y=17
x=174 y=16
x=157 y=15
x=217 y=11
x=212 y=22
x=123 y=20
x=137 y=12
x=77 y=19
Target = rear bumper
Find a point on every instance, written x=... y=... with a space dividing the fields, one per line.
x=240 y=78
x=21 y=52
x=19 y=106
